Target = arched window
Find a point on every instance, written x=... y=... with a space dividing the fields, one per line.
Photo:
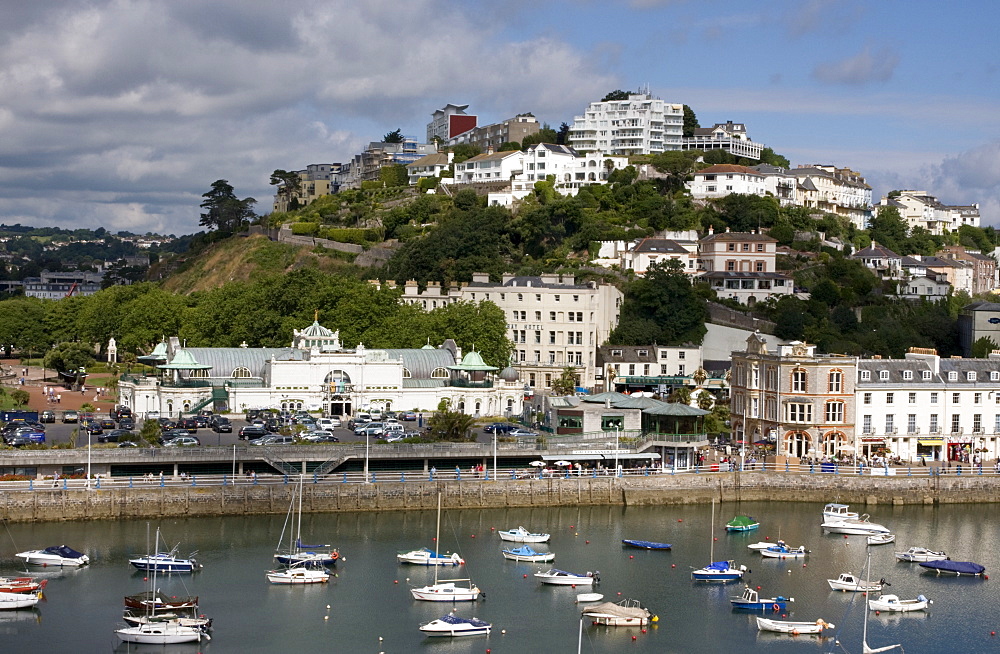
x=198 y=374
x=439 y=373
x=406 y=373
x=833 y=443
x=241 y=373
x=591 y=177
x=337 y=377
x=797 y=444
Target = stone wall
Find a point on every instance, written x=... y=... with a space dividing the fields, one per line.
x=186 y=501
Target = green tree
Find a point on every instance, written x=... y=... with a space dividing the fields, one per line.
x=452 y=426
x=565 y=384
x=888 y=228
x=982 y=347
x=395 y=136
x=617 y=94
x=662 y=308
x=562 y=136
x=768 y=156
x=65 y=357
x=545 y=135
x=509 y=146
x=289 y=186
x=23 y=326
x=680 y=395
x=150 y=432
x=690 y=121
x=395 y=175
x=226 y=212
x=464 y=151
x=20 y=397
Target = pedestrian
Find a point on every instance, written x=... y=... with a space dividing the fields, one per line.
x=58 y=398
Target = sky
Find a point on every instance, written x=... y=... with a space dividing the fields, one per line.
x=121 y=113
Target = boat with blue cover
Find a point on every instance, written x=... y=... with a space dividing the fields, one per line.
x=452 y=625
x=526 y=554
x=57 y=555
x=166 y=562
x=957 y=568
x=646 y=544
x=782 y=551
x=719 y=571
x=751 y=600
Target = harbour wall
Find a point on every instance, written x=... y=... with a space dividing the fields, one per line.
x=155 y=501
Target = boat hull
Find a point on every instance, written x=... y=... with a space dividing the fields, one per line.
x=47 y=560
x=856 y=586
x=18 y=600
x=881 y=539
x=794 y=628
x=160 y=634
x=709 y=575
x=441 y=628
x=646 y=544
x=533 y=558
x=426 y=557
x=297 y=577
x=565 y=579
x=784 y=554
x=920 y=555
x=306 y=558
x=893 y=604
x=742 y=527
x=854 y=528
x=760 y=605
x=149 y=564
x=522 y=535
x=446 y=592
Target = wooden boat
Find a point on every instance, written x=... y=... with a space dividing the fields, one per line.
x=742 y=523
x=453 y=626
x=448 y=590
x=21 y=584
x=881 y=539
x=522 y=535
x=782 y=551
x=751 y=600
x=918 y=554
x=563 y=578
x=57 y=555
x=626 y=613
x=793 y=628
x=528 y=555
x=957 y=568
x=645 y=544
x=849 y=583
x=19 y=600
x=893 y=604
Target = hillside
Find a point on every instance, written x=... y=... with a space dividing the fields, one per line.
x=245 y=259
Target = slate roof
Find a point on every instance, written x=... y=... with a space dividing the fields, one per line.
x=728 y=168
x=525 y=281
x=739 y=236
x=663 y=245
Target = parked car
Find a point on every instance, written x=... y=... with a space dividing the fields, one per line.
x=412 y=433
x=171 y=434
x=369 y=429
x=522 y=433
x=19 y=441
x=33 y=435
x=274 y=439
x=222 y=426
x=126 y=423
x=115 y=436
x=318 y=436
x=128 y=444
x=328 y=423
x=191 y=424
x=108 y=423
x=70 y=416
x=201 y=421
x=47 y=416
x=93 y=427
x=500 y=427
x=359 y=419
x=408 y=416
x=392 y=428
x=120 y=412
x=253 y=431
x=183 y=441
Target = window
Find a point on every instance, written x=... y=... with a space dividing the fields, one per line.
x=538 y=297
x=643 y=353
x=520 y=297
x=970 y=376
x=911 y=423
x=836 y=381
x=835 y=412
x=925 y=375
x=616 y=353
x=956 y=398
x=994 y=375
x=912 y=398
x=977 y=398
x=996 y=423
x=241 y=373
x=406 y=373
x=557 y=298
x=956 y=421
x=576 y=298
x=552 y=338
x=680 y=369
x=798 y=381
x=866 y=422
x=934 y=398
x=867 y=398
x=890 y=398
x=890 y=426
x=538 y=336
x=680 y=355
x=538 y=315
x=799 y=412
x=552 y=316
x=883 y=375
x=612 y=423
x=631 y=369
x=952 y=376
x=866 y=375
x=760 y=247
x=663 y=369
x=977 y=423
x=759 y=266
x=907 y=374
x=934 y=424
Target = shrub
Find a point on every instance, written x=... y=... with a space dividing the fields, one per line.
x=305 y=229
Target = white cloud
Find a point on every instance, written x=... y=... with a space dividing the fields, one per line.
x=865 y=67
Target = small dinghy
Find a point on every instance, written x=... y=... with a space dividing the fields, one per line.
x=742 y=523
x=583 y=598
x=849 y=583
x=522 y=535
x=881 y=539
x=793 y=628
x=528 y=555
x=563 y=578
x=893 y=604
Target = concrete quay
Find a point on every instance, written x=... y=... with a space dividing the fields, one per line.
x=210 y=497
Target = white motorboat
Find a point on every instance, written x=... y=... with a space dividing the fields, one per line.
x=762 y=545
x=447 y=590
x=522 y=535
x=782 y=551
x=626 y=613
x=563 y=578
x=453 y=626
x=528 y=555
x=881 y=539
x=794 y=628
x=847 y=582
x=426 y=556
x=858 y=527
x=892 y=603
x=920 y=555
x=298 y=574
x=161 y=633
x=583 y=598
x=57 y=555
x=19 y=600
x=166 y=562
x=838 y=512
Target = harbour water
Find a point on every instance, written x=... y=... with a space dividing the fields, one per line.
x=371 y=611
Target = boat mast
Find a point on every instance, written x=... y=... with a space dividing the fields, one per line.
x=437 y=541
x=298 y=536
x=711 y=540
x=865 y=649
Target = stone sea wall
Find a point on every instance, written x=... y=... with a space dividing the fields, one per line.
x=243 y=499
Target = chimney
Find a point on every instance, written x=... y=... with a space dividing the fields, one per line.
x=711 y=230
x=489 y=150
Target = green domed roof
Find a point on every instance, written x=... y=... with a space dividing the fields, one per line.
x=473 y=361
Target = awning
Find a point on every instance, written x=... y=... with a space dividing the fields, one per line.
x=931 y=440
x=600 y=457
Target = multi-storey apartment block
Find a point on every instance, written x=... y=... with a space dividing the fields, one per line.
x=640 y=125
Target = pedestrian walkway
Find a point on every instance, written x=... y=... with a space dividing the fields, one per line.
x=70 y=400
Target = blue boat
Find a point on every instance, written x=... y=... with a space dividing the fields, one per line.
x=645 y=544
x=957 y=568
x=166 y=562
x=750 y=600
x=719 y=571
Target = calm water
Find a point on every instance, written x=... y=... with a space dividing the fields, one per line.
x=366 y=604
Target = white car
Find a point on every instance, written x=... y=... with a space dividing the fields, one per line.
x=328 y=423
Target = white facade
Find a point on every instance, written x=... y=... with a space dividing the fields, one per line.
x=430 y=166
x=721 y=180
x=728 y=136
x=741 y=266
x=552 y=321
x=921 y=209
x=840 y=191
x=925 y=288
x=640 y=125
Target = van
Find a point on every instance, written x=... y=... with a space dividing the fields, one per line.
x=376 y=414
x=392 y=428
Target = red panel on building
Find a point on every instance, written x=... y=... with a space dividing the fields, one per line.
x=460 y=124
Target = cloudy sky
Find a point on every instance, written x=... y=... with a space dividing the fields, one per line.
x=121 y=113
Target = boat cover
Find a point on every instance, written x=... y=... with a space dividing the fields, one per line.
x=454 y=619
x=961 y=567
x=523 y=551
x=553 y=571
x=646 y=544
x=63 y=551
x=741 y=521
x=718 y=565
x=616 y=610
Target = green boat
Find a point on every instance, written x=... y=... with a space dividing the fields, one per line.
x=742 y=523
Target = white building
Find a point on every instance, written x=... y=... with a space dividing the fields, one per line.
x=645 y=252
x=318 y=373
x=721 y=180
x=880 y=260
x=728 y=136
x=430 y=166
x=780 y=183
x=921 y=209
x=741 y=266
x=839 y=191
x=641 y=124
x=925 y=287
x=552 y=321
